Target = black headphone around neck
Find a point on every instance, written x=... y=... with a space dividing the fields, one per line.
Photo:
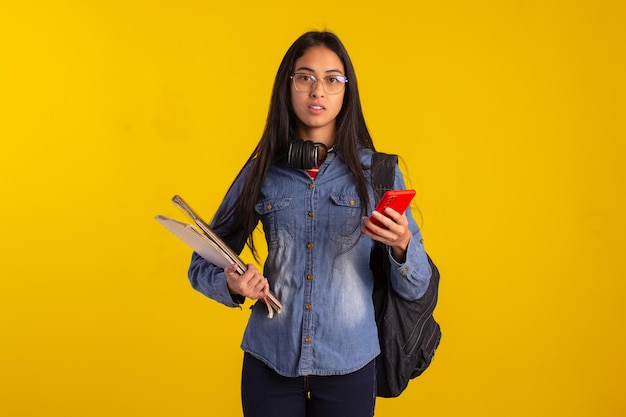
x=304 y=154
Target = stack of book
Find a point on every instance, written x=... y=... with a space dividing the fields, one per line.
x=206 y=243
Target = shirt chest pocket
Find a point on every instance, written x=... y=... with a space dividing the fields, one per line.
x=278 y=220
x=344 y=219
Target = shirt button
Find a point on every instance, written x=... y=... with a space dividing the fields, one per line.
x=307 y=307
x=352 y=202
x=307 y=339
x=404 y=271
x=422 y=241
x=310 y=213
x=309 y=277
x=268 y=207
x=311 y=185
x=309 y=245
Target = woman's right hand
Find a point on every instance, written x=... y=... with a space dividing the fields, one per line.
x=252 y=284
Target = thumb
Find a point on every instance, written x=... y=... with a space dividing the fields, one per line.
x=231 y=269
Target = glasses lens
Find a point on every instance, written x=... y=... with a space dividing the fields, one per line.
x=303 y=82
x=334 y=84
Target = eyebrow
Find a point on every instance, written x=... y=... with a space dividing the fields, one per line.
x=313 y=71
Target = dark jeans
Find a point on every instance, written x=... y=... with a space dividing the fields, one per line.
x=265 y=393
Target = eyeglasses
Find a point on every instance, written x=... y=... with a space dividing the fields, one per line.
x=333 y=84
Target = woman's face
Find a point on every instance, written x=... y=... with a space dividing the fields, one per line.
x=316 y=109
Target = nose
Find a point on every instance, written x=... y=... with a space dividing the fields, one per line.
x=317 y=89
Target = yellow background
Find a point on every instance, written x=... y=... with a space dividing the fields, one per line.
x=509 y=116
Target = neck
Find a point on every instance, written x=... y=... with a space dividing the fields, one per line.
x=318 y=135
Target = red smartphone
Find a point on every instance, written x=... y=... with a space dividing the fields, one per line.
x=398 y=200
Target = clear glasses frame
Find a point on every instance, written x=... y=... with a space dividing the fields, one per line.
x=309 y=80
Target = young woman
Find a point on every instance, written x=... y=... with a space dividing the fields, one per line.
x=307 y=182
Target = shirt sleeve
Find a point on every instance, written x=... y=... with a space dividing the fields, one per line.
x=410 y=278
x=209 y=279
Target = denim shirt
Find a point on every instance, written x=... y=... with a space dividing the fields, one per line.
x=318 y=266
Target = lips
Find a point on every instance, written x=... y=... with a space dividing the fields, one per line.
x=316 y=109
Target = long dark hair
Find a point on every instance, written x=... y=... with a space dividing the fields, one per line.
x=351 y=134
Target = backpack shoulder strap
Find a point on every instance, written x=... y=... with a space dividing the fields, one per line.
x=383 y=173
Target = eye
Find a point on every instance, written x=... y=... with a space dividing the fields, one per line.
x=335 y=79
x=305 y=78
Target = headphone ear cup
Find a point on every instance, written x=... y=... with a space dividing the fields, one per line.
x=290 y=153
x=300 y=155
x=298 y=150
x=303 y=154
x=309 y=155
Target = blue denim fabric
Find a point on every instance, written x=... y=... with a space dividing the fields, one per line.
x=318 y=266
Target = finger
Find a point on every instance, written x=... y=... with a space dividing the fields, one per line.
x=266 y=288
x=259 y=291
x=231 y=269
x=372 y=230
x=396 y=217
x=254 y=282
x=392 y=214
x=256 y=285
x=233 y=280
x=382 y=219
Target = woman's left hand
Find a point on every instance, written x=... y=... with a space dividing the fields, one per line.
x=395 y=232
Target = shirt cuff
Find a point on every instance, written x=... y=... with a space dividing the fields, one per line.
x=224 y=296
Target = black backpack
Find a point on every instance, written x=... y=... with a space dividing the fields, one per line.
x=407 y=330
